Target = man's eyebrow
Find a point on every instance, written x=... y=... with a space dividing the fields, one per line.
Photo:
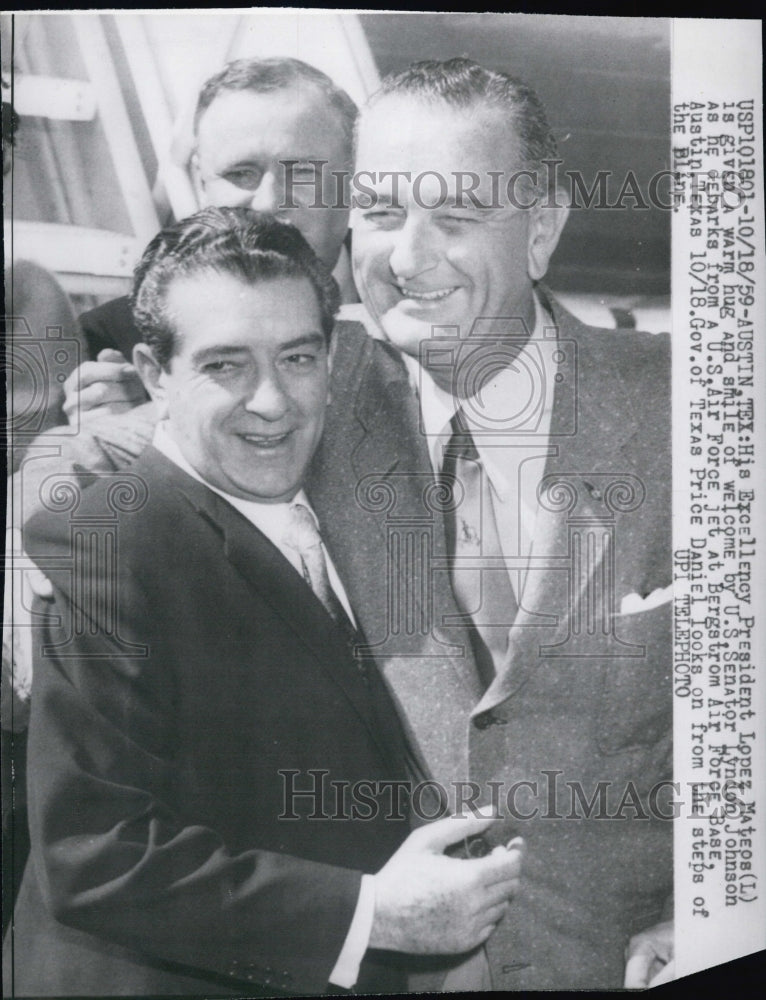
x=463 y=200
x=220 y=350
x=383 y=199
x=313 y=339
x=244 y=161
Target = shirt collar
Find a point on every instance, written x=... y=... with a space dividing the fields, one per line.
x=437 y=406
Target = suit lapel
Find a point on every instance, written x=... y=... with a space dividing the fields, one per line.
x=595 y=444
x=267 y=572
x=372 y=476
x=376 y=448
x=332 y=484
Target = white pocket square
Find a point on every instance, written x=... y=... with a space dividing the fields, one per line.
x=633 y=603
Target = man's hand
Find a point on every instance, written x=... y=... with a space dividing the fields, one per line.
x=429 y=904
x=107 y=385
x=649 y=957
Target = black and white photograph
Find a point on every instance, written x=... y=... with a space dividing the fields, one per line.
x=384 y=431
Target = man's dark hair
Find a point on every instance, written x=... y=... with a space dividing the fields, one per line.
x=265 y=76
x=236 y=241
x=463 y=83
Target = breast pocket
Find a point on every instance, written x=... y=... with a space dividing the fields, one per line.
x=636 y=707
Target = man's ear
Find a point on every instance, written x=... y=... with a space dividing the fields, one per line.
x=152 y=375
x=545 y=228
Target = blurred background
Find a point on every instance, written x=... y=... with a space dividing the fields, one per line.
x=105 y=103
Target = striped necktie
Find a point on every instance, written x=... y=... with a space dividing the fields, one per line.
x=305 y=539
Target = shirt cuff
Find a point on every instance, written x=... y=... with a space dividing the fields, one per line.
x=346 y=971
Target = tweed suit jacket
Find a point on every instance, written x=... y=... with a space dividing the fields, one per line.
x=584 y=696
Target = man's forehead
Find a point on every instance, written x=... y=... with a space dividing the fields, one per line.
x=406 y=127
x=210 y=283
x=298 y=118
x=210 y=308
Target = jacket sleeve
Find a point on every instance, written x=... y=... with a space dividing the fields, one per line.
x=110 y=326
x=113 y=854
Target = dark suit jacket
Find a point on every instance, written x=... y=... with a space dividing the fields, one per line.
x=110 y=325
x=192 y=665
x=371 y=438
x=588 y=697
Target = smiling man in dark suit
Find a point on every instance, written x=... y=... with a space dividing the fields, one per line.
x=197 y=673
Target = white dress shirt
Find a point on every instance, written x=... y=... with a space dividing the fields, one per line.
x=273 y=519
x=515 y=404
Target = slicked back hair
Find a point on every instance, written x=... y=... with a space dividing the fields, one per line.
x=247 y=245
x=463 y=83
x=265 y=76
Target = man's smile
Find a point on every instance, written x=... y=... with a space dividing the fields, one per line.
x=267 y=442
x=426 y=295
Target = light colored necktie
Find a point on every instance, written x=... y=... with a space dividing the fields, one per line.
x=305 y=539
x=484 y=592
